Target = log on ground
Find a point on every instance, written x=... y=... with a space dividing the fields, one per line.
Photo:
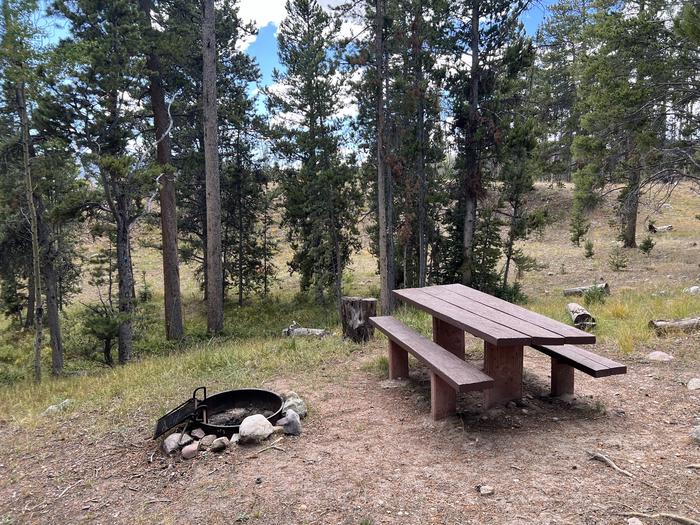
x=664 y=326
x=581 y=317
x=580 y=290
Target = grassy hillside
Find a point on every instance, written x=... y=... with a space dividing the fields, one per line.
x=251 y=350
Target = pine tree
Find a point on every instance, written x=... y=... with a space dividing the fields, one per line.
x=321 y=197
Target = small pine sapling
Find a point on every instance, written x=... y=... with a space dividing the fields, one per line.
x=588 y=249
x=647 y=245
x=618 y=259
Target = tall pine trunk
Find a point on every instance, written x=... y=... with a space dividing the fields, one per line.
x=126 y=279
x=420 y=168
x=168 y=208
x=473 y=171
x=629 y=208
x=51 y=284
x=386 y=259
x=215 y=284
x=36 y=255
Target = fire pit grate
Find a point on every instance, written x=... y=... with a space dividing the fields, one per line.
x=222 y=413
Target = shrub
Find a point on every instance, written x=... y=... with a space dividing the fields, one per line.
x=618 y=259
x=588 y=249
x=594 y=295
x=647 y=245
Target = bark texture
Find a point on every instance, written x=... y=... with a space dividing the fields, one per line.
x=168 y=207
x=354 y=314
x=214 y=270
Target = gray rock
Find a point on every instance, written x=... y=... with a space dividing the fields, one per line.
x=290 y=423
x=190 y=450
x=198 y=433
x=53 y=409
x=393 y=383
x=219 y=444
x=695 y=434
x=294 y=402
x=486 y=490
x=207 y=440
x=694 y=384
x=235 y=438
x=657 y=355
x=255 y=429
x=634 y=521
x=693 y=290
x=174 y=441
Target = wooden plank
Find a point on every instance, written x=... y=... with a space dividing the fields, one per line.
x=592 y=364
x=449 y=337
x=474 y=324
x=570 y=333
x=459 y=374
x=505 y=365
x=538 y=334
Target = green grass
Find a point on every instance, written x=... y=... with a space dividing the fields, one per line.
x=153 y=384
x=250 y=352
x=624 y=317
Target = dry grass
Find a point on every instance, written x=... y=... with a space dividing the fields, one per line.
x=252 y=353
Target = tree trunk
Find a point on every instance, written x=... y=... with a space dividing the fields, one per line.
x=168 y=208
x=36 y=255
x=29 y=319
x=107 y=351
x=126 y=280
x=629 y=207
x=354 y=314
x=472 y=184
x=422 y=178
x=386 y=262
x=215 y=284
x=51 y=284
x=52 y=317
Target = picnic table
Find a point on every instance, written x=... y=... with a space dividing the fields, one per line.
x=504 y=327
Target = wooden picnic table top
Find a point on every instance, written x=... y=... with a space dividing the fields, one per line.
x=489 y=318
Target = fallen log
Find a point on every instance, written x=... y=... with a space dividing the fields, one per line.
x=663 y=326
x=294 y=330
x=581 y=290
x=581 y=317
x=660 y=229
x=354 y=314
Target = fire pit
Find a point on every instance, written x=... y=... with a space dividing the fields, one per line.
x=222 y=413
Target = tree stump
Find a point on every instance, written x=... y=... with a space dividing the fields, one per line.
x=354 y=314
x=581 y=317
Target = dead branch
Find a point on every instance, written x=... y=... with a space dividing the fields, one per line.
x=269 y=447
x=675 y=517
x=609 y=462
x=68 y=488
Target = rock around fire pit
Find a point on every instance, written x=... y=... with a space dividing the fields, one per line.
x=252 y=424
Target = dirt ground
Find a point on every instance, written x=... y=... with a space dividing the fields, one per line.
x=371 y=454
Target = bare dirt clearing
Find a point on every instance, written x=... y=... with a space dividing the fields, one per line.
x=370 y=452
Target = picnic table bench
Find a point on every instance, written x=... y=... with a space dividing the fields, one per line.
x=504 y=327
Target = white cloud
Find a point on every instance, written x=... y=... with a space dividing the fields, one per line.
x=265 y=12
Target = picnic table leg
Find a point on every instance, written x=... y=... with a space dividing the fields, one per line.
x=562 y=378
x=443 y=398
x=398 y=361
x=449 y=337
x=505 y=365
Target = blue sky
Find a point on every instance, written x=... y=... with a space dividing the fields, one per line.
x=264 y=47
